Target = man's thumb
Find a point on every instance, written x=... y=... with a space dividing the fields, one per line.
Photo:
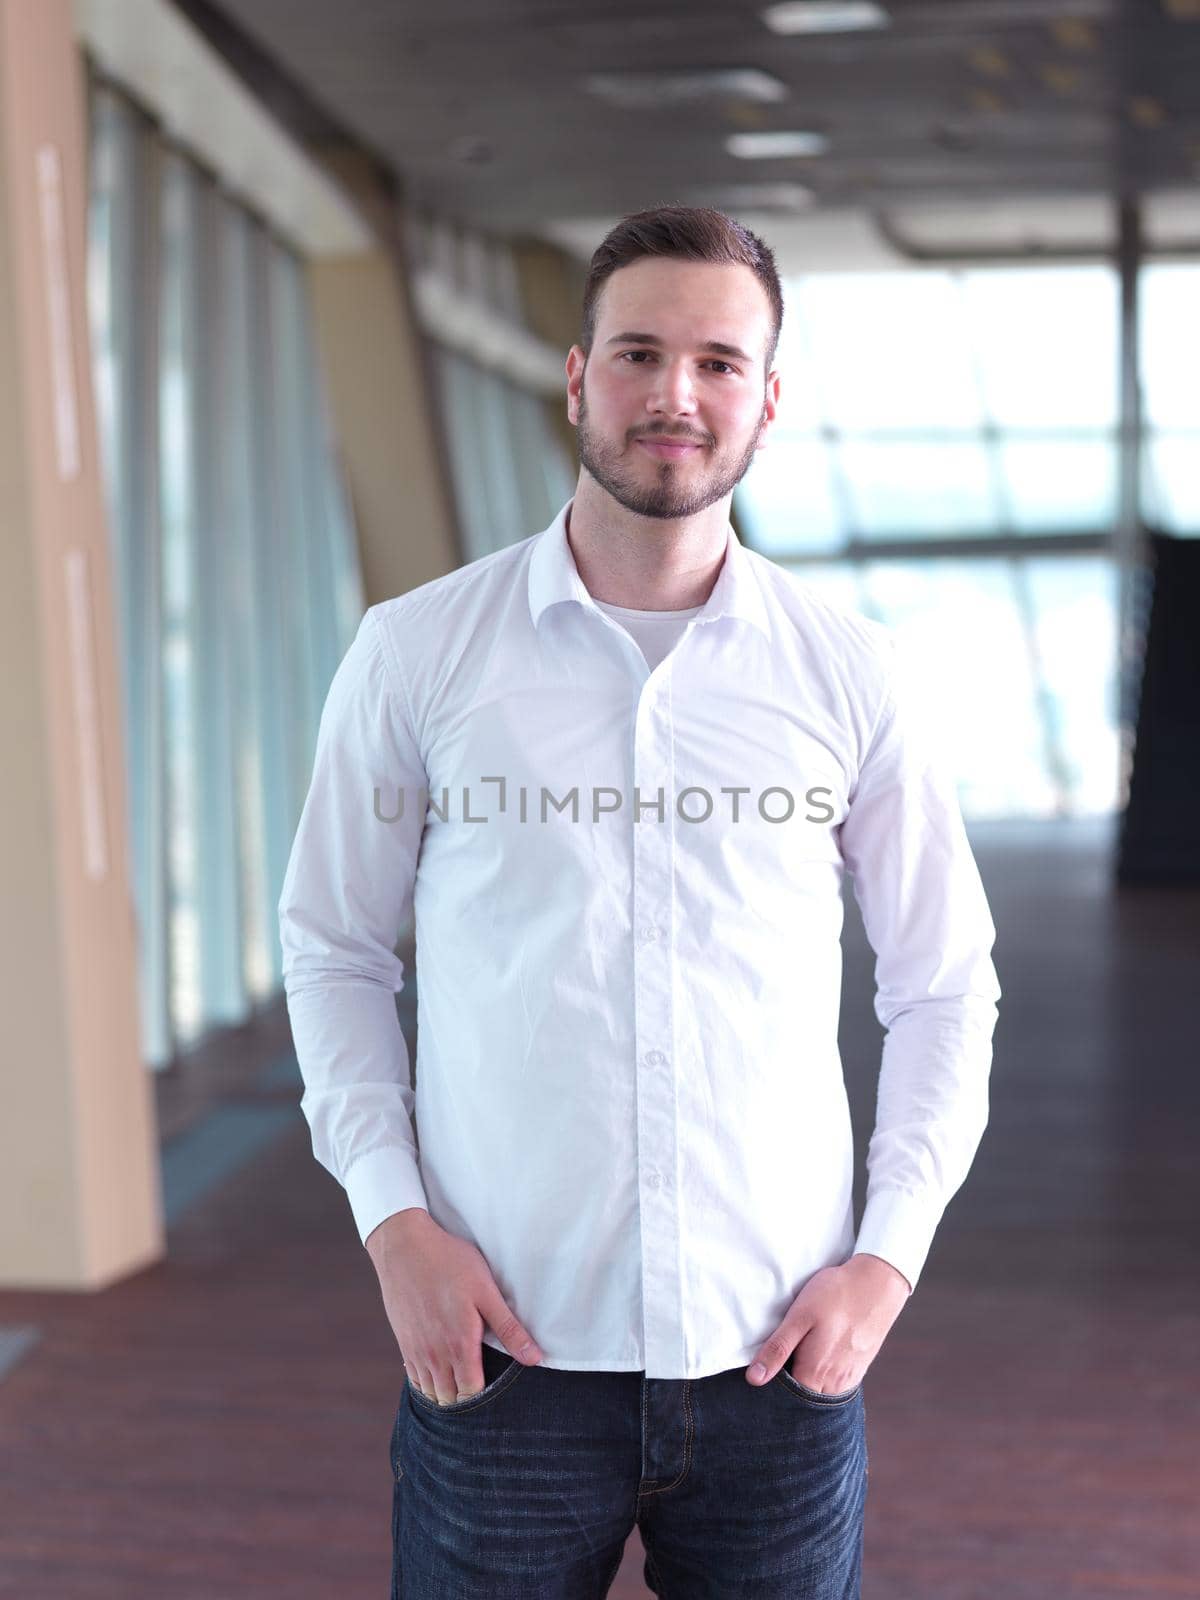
x=774 y=1351
x=508 y=1328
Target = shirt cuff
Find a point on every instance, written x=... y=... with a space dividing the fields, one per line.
x=380 y=1183
x=899 y=1227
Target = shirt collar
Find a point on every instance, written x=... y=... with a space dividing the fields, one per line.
x=554 y=577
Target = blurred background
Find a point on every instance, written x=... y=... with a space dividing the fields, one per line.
x=286 y=291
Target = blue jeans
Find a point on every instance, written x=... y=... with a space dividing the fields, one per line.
x=530 y=1489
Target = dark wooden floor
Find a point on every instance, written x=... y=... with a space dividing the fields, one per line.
x=218 y=1426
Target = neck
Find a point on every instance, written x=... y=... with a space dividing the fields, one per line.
x=646 y=563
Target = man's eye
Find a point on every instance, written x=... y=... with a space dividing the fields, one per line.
x=714 y=363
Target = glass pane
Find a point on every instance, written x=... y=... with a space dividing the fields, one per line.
x=494 y=451
x=1170 y=344
x=111 y=179
x=958 y=620
x=919 y=490
x=1059 y=485
x=1171 y=483
x=838 y=583
x=1075 y=608
x=121 y=298
x=277 y=683
x=252 y=593
x=787 y=498
x=890 y=350
x=1047 y=339
x=802 y=407
x=235 y=570
x=177 y=429
x=458 y=397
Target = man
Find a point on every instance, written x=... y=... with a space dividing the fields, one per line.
x=620 y=768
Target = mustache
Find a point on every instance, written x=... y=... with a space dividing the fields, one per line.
x=672 y=438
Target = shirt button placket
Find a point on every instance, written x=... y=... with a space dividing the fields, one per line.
x=653 y=842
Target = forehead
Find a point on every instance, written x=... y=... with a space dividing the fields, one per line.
x=686 y=301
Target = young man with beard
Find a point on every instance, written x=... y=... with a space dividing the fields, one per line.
x=624 y=766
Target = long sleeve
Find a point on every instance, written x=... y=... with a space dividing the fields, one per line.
x=347 y=888
x=928 y=921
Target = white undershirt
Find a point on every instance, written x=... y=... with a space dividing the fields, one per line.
x=655 y=632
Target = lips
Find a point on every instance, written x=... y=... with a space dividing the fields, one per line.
x=669 y=449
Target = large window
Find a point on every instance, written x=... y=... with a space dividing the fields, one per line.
x=979 y=409
x=234 y=560
x=510 y=473
x=1170 y=339
x=941 y=404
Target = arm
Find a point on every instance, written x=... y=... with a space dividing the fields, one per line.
x=928 y=921
x=348 y=882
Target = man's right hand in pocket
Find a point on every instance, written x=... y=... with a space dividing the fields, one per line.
x=439 y=1295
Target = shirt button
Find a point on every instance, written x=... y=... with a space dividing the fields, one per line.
x=649 y=933
x=654 y=1179
x=654 y=1058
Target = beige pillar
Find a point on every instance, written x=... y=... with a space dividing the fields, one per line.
x=382 y=415
x=551 y=284
x=380 y=390
x=79 y=1170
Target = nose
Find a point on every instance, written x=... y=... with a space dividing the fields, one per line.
x=672 y=393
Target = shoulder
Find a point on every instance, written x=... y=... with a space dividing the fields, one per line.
x=833 y=652
x=849 y=637
x=453 y=607
x=457 y=591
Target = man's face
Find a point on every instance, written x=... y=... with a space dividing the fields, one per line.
x=650 y=380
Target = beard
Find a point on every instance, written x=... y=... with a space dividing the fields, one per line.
x=675 y=490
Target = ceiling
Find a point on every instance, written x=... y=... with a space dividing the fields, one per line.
x=481 y=109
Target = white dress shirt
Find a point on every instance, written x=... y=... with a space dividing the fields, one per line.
x=626 y=892
x=655 y=632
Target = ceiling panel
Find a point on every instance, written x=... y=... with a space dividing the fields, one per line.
x=481 y=106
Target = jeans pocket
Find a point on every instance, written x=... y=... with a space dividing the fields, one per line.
x=814 y=1396
x=503 y=1380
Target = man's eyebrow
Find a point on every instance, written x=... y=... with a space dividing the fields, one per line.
x=715 y=345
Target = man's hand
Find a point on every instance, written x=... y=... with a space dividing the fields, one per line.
x=439 y=1295
x=839 y=1320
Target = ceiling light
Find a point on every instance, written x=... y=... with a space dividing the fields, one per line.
x=1073 y=33
x=753 y=196
x=985 y=100
x=824 y=16
x=991 y=62
x=651 y=91
x=1063 y=80
x=1146 y=111
x=768 y=146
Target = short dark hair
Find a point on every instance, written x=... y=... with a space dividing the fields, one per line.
x=690 y=233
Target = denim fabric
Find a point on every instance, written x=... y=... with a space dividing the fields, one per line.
x=530 y=1489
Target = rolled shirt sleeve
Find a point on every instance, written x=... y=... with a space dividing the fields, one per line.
x=346 y=892
x=927 y=919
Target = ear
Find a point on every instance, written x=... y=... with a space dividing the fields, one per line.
x=576 y=362
x=770 y=408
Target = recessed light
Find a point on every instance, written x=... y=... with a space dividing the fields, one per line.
x=1073 y=33
x=650 y=91
x=991 y=62
x=769 y=146
x=1146 y=111
x=825 y=16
